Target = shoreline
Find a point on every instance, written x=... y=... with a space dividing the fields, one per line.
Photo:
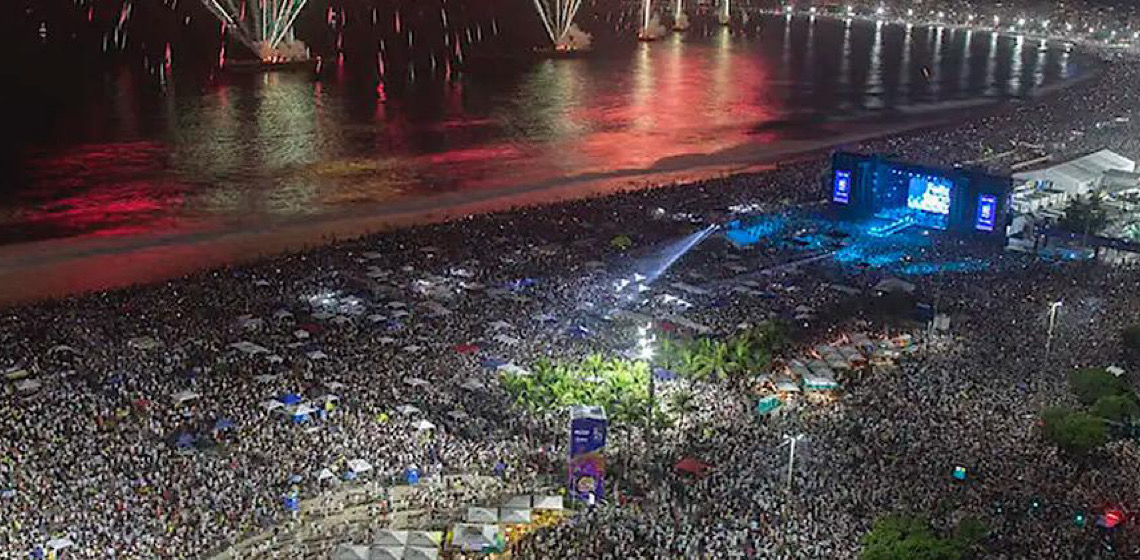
x=58 y=269
x=54 y=269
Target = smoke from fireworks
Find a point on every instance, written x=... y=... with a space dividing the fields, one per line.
x=264 y=26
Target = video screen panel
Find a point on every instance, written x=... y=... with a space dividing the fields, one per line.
x=929 y=194
x=987 y=213
x=841 y=191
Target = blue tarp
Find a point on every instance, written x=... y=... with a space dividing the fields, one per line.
x=663 y=374
x=224 y=424
x=291 y=398
x=493 y=363
x=184 y=440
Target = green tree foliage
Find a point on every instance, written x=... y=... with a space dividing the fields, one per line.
x=1090 y=384
x=745 y=353
x=1074 y=432
x=1085 y=215
x=1118 y=408
x=619 y=386
x=906 y=537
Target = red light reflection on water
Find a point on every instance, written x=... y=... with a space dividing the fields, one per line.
x=103 y=190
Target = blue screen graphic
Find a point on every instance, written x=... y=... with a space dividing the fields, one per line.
x=841 y=192
x=987 y=213
x=929 y=194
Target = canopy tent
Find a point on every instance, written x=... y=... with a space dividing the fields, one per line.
x=271 y=405
x=473 y=385
x=60 y=544
x=416 y=382
x=768 y=405
x=514 y=515
x=514 y=370
x=425 y=539
x=473 y=537
x=299 y=413
x=389 y=537
x=407 y=409
x=359 y=466
x=818 y=382
x=387 y=553
x=144 y=343
x=182 y=397
x=249 y=348
x=265 y=378
x=421 y=553
x=325 y=474
x=290 y=398
x=423 y=425
x=548 y=502
x=481 y=515
x=518 y=501
x=223 y=423
x=352 y=552
x=62 y=348
x=28 y=385
x=457 y=415
x=316 y=355
x=692 y=466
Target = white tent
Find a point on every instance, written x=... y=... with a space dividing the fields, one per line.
x=264 y=378
x=301 y=334
x=386 y=553
x=389 y=537
x=424 y=425
x=249 y=348
x=359 y=466
x=471 y=537
x=548 y=502
x=28 y=385
x=507 y=340
x=513 y=369
x=271 y=405
x=416 y=382
x=514 y=515
x=407 y=409
x=473 y=385
x=518 y=501
x=412 y=348
x=457 y=415
x=325 y=474
x=143 y=343
x=500 y=325
x=421 y=553
x=184 y=396
x=481 y=515
x=60 y=544
x=316 y=355
x=351 y=552
x=425 y=539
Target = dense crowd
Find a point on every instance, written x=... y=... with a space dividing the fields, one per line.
x=111 y=451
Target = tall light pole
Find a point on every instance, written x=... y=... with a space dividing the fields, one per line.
x=791 y=440
x=645 y=352
x=1053 y=307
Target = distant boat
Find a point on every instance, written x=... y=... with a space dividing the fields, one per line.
x=257 y=65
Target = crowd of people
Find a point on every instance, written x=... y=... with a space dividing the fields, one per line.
x=147 y=432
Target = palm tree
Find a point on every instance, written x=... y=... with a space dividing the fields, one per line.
x=682 y=403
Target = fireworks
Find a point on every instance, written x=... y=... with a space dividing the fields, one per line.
x=264 y=26
x=557 y=16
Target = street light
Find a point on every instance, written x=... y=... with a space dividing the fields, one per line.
x=1053 y=307
x=645 y=352
x=791 y=441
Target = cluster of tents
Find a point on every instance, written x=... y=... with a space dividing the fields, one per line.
x=482 y=530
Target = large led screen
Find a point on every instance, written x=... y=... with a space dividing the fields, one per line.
x=929 y=194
